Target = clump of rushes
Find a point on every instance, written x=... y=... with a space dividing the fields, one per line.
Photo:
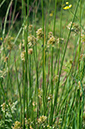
x=48 y=98
x=39 y=33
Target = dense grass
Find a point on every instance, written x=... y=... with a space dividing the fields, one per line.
x=42 y=67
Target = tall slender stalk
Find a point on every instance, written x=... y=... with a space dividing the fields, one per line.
x=23 y=83
x=80 y=35
x=36 y=63
x=52 y=51
x=14 y=11
x=2 y=3
x=79 y=125
x=19 y=93
x=26 y=58
x=57 y=86
x=55 y=17
x=23 y=66
x=44 y=86
x=60 y=35
x=4 y=30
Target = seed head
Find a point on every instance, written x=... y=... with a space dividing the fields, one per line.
x=17 y=125
x=23 y=56
x=39 y=33
x=3 y=107
x=50 y=35
x=31 y=40
x=51 y=41
x=6 y=59
x=83 y=38
x=30 y=27
x=42 y=119
x=30 y=51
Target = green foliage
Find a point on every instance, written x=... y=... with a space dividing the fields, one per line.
x=42 y=67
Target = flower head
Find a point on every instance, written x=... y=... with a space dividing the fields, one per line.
x=51 y=14
x=67 y=7
x=67 y=2
x=0 y=38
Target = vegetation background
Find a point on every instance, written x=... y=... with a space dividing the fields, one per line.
x=42 y=64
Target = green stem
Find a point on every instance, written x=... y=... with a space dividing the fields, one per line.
x=6 y=18
x=23 y=83
x=60 y=37
x=37 y=72
x=24 y=65
x=19 y=93
x=14 y=11
x=80 y=36
x=51 y=113
x=57 y=86
x=44 y=87
x=55 y=17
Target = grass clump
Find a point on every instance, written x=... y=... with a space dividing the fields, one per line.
x=42 y=75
